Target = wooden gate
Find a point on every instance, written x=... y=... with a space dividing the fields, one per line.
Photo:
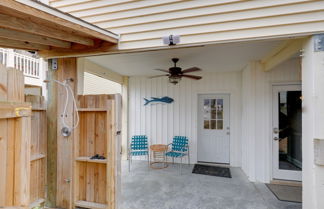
x=15 y=135
x=22 y=143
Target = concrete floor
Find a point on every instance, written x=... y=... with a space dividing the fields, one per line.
x=145 y=188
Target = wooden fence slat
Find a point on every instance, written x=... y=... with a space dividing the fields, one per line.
x=3 y=157
x=22 y=161
x=3 y=83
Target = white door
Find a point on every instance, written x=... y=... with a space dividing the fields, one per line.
x=213 y=128
x=287 y=132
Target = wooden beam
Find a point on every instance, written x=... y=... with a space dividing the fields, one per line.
x=32 y=38
x=281 y=53
x=77 y=52
x=26 y=25
x=17 y=6
x=8 y=43
x=100 y=71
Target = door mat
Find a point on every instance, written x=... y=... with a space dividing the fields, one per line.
x=212 y=170
x=286 y=193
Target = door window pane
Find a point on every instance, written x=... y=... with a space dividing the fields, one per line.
x=213 y=114
x=213 y=103
x=206 y=124
x=220 y=109
x=206 y=109
x=290 y=130
x=219 y=124
x=213 y=124
x=219 y=104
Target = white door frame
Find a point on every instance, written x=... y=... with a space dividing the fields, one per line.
x=229 y=121
x=275 y=171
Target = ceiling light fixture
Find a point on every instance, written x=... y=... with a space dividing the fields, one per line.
x=174 y=79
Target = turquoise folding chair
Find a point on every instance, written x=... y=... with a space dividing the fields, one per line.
x=179 y=149
x=138 y=147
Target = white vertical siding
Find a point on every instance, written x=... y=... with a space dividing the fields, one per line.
x=160 y=122
x=257 y=115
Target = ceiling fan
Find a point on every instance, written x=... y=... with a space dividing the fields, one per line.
x=176 y=73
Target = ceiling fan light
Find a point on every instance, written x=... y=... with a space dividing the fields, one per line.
x=174 y=79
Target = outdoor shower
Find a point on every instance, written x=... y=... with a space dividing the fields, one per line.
x=67 y=130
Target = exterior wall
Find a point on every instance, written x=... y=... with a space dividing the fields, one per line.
x=161 y=122
x=142 y=24
x=313 y=120
x=257 y=115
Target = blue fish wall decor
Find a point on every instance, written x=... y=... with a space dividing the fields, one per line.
x=167 y=100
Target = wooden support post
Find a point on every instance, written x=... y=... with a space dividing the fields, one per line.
x=67 y=69
x=124 y=114
x=60 y=149
x=51 y=138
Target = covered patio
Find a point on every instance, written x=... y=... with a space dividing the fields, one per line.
x=144 y=188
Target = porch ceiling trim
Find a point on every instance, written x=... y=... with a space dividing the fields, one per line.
x=281 y=53
x=31 y=25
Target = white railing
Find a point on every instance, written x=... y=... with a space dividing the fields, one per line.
x=3 y=56
x=29 y=65
x=33 y=68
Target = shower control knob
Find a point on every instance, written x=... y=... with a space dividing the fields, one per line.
x=67 y=180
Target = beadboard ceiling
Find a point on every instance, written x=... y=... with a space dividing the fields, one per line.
x=210 y=58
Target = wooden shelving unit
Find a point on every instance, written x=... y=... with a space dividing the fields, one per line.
x=87 y=159
x=95 y=179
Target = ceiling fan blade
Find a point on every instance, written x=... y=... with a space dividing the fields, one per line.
x=192 y=77
x=192 y=69
x=166 y=71
x=156 y=76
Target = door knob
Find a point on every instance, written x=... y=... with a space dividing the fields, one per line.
x=276 y=138
x=276 y=130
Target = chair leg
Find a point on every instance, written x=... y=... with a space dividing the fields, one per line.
x=129 y=162
x=188 y=159
x=148 y=161
x=180 y=165
x=188 y=156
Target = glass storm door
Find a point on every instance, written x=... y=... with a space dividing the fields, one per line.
x=287 y=132
x=213 y=128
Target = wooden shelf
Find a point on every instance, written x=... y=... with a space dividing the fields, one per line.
x=92 y=109
x=87 y=159
x=92 y=205
x=38 y=109
x=37 y=157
